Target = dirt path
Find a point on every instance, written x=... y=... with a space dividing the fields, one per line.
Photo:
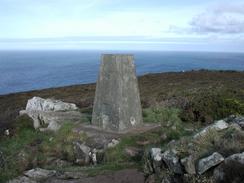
x=122 y=176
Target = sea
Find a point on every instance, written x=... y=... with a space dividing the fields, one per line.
x=32 y=70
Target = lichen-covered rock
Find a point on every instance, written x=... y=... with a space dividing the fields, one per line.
x=172 y=161
x=155 y=157
x=40 y=104
x=218 y=126
x=231 y=170
x=189 y=164
x=49 y=114
x=208 y=162
x=82 y=154
x=156 y=154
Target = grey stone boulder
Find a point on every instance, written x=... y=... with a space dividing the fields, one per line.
x=39 y=174
x=172 y=161
x=231 y=170
x=237 y=120
x=209 y=162
x=49 y=114
x=82 y=154
x=40 y=104
x=189 y=164
x=154 y=160
x=218 y=126
x=156 y=154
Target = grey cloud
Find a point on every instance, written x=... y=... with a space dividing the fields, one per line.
x=221 y=19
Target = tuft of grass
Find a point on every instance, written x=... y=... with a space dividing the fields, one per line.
x=161 y=115
x=60 y=144
x=28 y=148
x=18 y=150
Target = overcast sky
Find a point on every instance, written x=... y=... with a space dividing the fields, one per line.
x=185 y=25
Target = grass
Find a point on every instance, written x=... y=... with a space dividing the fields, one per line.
x=18 y=150
x=161 y=115
x=175 y=100
x=29 y=148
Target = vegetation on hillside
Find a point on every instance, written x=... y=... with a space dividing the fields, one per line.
x=180 y=102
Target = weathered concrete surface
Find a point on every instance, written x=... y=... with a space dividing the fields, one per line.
x=117 y=105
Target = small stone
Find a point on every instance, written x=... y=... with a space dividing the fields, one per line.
x=172 y=161
x=113 y=143
x=155 y=154
x=237 y=120
x=189 y=165
x=82 y=153
x=6 y=132
x=209 y=162
x=61 y=163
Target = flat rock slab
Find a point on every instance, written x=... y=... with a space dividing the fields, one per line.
x=209 y=162
x=100 y=138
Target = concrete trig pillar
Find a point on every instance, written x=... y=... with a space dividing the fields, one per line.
x=117 y=105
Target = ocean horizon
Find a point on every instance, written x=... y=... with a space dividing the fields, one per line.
x=32 y=70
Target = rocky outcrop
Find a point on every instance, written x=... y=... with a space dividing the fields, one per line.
x=239 y=120
x=218 y=126
x=231 y=170
x=49 y=114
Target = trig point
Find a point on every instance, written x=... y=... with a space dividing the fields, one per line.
x=117 y=105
